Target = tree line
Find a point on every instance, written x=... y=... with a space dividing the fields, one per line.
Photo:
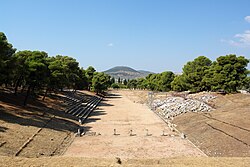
x=228 y=74
x=37 y=73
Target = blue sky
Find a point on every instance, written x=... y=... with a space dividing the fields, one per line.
x=155 y=35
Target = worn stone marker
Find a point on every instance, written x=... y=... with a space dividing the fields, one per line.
x=131 y=133
x=79 y=132
x=163 y=133
x=80 y=121
x=183 y=136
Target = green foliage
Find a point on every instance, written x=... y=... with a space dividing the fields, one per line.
x=65 y=72
x=122 y=86
x=193 y=73
x=6 y=60
x=100 y=82
x=125 y=82
x=132 y=84
x=112 y=80
x=179 y=84
x=152 y=82
x=119 y=84
x=141 y=83
x=82 y=82
x=157 y=82
x=32 y=67
x=37 y=67
x=58 y=78
x=165 y=79
x=90 y=74
x=36 y=71
x=227 y=73
x=32 y=70
x=246 y=84
x=115 y=86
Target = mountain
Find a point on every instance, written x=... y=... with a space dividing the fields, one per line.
x=124 y=72
x=145 y=72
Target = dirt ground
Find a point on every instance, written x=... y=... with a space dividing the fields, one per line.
x=120 y=112
x=39 y=129
x=86 y=162
x=224 y=132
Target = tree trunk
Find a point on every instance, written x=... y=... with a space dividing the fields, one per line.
x=27 y=95
x=33 y=90
x=17 y=84
x=16 y=87
x=22 y=89
x=45 y=94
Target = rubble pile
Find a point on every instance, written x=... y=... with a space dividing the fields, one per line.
x=173 y=106
x=204 y=97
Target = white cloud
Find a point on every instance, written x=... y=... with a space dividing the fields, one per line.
x=241 y=40
x=247 y=18
x=110 y=44
x=244 y=38
x=230 y=42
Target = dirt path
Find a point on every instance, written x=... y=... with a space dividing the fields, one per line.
x=119 y=112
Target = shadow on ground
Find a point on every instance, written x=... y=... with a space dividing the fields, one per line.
x=38 y=114
x=3 y=129
x=93 y=115
x=104 y=102
x=112 y=95
x=37 y=121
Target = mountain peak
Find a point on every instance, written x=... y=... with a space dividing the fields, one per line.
x=125 y=72
x=121 y=68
